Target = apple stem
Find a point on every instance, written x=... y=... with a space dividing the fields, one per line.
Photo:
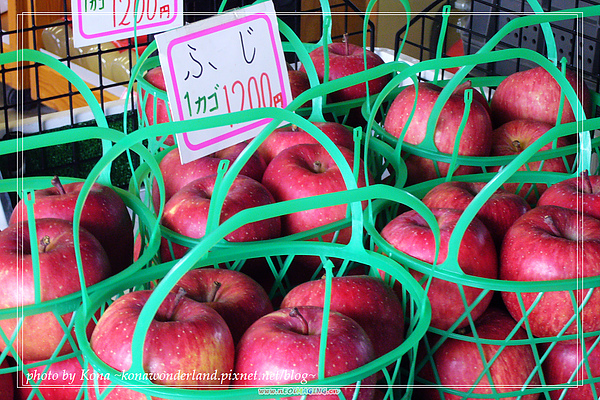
x=317 y=166
x=56 y=183
x=517 y=145
x=296 y=314
x=213 y=291
x=550 y=222
x=44 y=242
x=586 y=184
x=294 y=128
x=345 y=40
x=178 y=297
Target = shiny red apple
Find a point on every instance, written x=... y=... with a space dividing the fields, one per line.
x=578 y=193
x=283 y=347
x=474 y=141
x=186 y=212
x=534 y=94
x=176 y=175
x=459 y=364
x=188 y=343
x=239 y=299
x=410 y=234
x=551 y=243
x=40 y=334
x=498 y=212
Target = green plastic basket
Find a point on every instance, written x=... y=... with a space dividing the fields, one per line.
x=375 y=111
x=278 y=255
x=450 y=271
x=59 y=313
x=489 y=350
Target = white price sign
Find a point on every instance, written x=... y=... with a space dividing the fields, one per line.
x=99 y=21
x=230 y=62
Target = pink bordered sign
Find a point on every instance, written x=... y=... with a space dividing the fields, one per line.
x=99 y=21
x=229 y=62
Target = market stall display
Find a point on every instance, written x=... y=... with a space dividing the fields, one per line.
x=434 y=238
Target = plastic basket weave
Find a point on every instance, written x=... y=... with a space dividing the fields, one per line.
x=60 y=311
x=278 y=255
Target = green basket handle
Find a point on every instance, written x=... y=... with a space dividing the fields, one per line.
x=451 y=263
x=368 y=11
x=485 y=55
x=102 y=167
x=499 y=179
x=253 y=249
x=276 y=115
x=547 y=31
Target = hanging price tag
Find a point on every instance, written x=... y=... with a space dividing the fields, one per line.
x=99 y=21
x=230 y=62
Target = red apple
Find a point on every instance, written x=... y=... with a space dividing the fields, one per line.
x=176 y=175
x=534 y=94
x=459 y=365
x=186 y=212
x=55 y=380
x=579 y=193
x=477 y=256
x=299 y=83
x=7 y=383
x=41 y=334
x=475 y=139
x=160 y=112
x=365 y=299
x=239 y=299
x=512 y=138
x=346 y=59
x=283 y=347
x=565 y=366
x=498 y=213
x=552 y=243
x=188 y=343
x=290 y=135
x=307 y=170
x=104 y=215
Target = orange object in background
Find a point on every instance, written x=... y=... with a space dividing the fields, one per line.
x=457 y=49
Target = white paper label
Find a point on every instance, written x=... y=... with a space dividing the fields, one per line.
x=230 y=62
x=99 y=21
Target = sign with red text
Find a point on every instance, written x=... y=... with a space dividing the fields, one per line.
x=99 y=21
x=230 y=62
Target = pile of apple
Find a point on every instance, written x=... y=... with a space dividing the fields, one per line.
x=557 y=239
x=519 y=234
x=523 y=232
x=289 y=164
x=105 y=247
x=217 y=327
x=522 y=108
